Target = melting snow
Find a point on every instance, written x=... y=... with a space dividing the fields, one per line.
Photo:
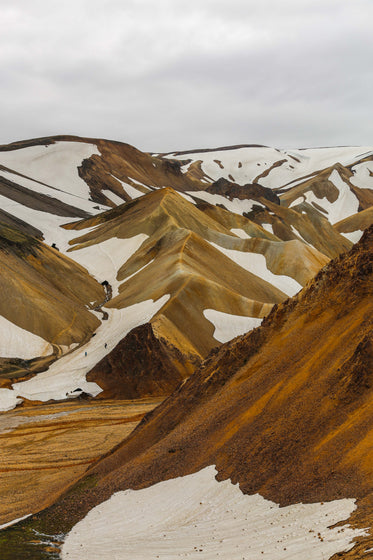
x=268 y=227
x=236 y=205
x=197 y=517
x=48 y=224
x=229 y=326
x=68 y=373
x=72 y=199
x=8 y=400
x=256 y=159
x=16 y=342
x=298 y=200
x=240 y=233
x=345 y=205
x=56 y=164
x=257 y=264
x=130 y=190
x=103 y=260
x=113 y=197
x=353 y=236
x=362 y=177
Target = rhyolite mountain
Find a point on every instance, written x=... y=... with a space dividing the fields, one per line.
x=285 y=410
x=126 y=275
x=221 y=235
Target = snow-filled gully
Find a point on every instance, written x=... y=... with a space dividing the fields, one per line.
x=66 y=377
x=197 y=517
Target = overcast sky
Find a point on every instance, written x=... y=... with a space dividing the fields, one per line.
x=179 y=74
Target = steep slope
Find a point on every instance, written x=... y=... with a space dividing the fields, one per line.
x=307 y=359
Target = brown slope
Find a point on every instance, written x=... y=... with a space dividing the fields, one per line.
x=309 y=224
x=175 y=260
x=285 y=410
x=38 y=201
x=232 y=220
x=359 y=221
x=250 y=191
x=45 y=447
x=322 y=187
x=140 y=365
x=153 y=214
x=45 y=292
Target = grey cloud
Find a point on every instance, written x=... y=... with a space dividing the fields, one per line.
x=174 y=75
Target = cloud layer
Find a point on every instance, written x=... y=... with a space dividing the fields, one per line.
x=187 y=74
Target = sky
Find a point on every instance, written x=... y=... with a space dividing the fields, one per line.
x=185 y=74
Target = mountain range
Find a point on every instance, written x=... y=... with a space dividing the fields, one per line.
x=164 y=314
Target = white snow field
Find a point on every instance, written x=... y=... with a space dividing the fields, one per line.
x=346 y=204
x=16 y=342
x=56 y=164
x=197 y=517
x=103 y=260
x=66 y=197
x=229 y=326
x=67 y=374
x=246 y=164
x=257 y=264
x=363 y=175
x=8 y=400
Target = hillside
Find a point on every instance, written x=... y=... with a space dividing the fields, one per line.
x=312 y=362
x=220 y=286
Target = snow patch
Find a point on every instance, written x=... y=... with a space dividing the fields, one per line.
x=236 y=205
x=8 y=400
x=72 y=199
x=257 y=264
x=113 y=197
x=362 y=175
x=103 y=260
x=346 y=204
x=353 y=236
x=297 y=201
x=268 y=227
x=56 y=164
x=130 y=190
x=14 y=521
x=229 y=326
x=240 y=233
x=16 y=342
x=197 y=517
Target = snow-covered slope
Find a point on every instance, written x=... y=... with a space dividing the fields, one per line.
x=197 y=517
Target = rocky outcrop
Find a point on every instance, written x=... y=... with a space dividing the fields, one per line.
x=250 y=191
x=140 y=366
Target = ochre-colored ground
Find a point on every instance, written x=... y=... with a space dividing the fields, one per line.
x=46 y=448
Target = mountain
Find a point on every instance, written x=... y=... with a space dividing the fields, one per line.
x=126 y=275
x=284 y=410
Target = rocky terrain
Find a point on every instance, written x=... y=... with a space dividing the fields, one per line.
x=125 y=277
